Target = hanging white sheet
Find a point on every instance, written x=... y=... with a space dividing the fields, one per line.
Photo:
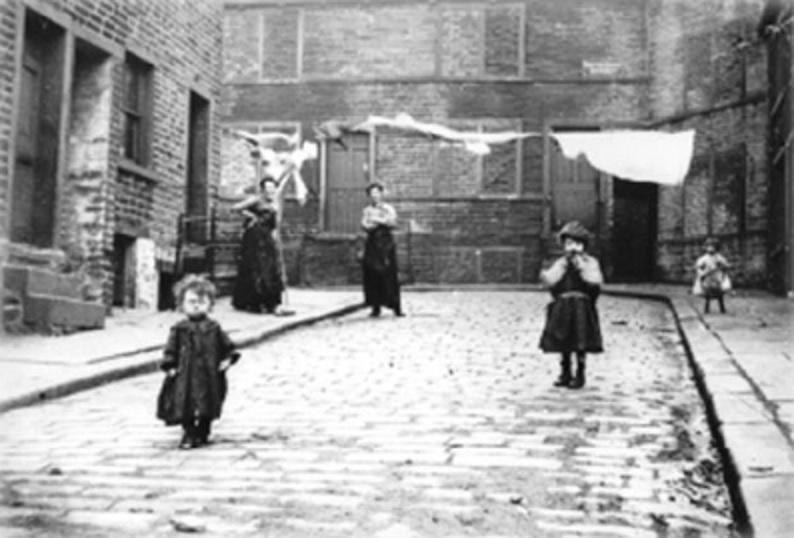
x=652 y=156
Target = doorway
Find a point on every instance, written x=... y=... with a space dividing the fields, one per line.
x=38 y=133
x=196 y=210
x=348 y=173
x=123 y=271
x=634 y=230
x=576 y=192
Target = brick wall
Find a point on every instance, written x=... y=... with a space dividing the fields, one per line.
x=183 y=43
x=8 y=22
x=489 y=66
x=709 y=74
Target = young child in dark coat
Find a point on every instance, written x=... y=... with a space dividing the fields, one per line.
x=572 y=325
x=198 y=353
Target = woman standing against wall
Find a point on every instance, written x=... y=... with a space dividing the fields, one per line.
x=259 y=283
x=381 y=285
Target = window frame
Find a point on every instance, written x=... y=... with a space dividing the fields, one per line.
x=140 y=72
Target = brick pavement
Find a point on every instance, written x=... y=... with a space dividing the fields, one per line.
x=443 y=423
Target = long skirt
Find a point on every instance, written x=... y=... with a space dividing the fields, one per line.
x=572 y=325
x=381 y=285
x=259 y=282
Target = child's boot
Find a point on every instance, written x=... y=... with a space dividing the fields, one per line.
x=579 y=380
x=187 y=440
x=565 y=372
x=204 y=430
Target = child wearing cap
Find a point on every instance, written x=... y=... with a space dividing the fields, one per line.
x=711 y=276
x=196 y=357
x=572 y=324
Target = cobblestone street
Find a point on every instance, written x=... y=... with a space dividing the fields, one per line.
x=442 y=423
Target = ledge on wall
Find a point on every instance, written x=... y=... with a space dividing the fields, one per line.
x=138 y=170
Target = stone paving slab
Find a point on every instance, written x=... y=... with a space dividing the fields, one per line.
x=769 y=502
x=37 y=368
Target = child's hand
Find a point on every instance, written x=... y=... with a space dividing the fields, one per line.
x=224 y=365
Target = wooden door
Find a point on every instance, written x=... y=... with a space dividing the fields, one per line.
x=38 y=134
x=346 y=181
x=27 y=144
x=575 y=191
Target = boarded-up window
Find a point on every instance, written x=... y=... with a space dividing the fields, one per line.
x=532 y=164
x=727 y=204
x=241 y=43
x=729 y=63
x=369 y=41
x=696 y=197
x=499 y=169
x=461 y=41
x=457 y=172
x=280 y=44
x=502 y=35
x=698 y=75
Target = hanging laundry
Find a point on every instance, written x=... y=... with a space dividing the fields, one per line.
x=333 y=131
x=269 y=139
x=283 y=165
x=287 y=165
x=652 y=156
x=473 y=141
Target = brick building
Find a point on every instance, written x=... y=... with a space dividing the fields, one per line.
x=531 y=65
x=108 y=131
x=710 y=74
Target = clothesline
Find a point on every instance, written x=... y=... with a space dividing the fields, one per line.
x=634 y=155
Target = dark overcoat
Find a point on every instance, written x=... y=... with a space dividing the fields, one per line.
x=195 y=348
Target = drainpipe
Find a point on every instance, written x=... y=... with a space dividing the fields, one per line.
x=3 y=250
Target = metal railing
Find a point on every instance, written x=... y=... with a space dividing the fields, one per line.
x=198 y=243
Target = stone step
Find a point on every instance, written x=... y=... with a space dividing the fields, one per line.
x=37 y=281
x=46 y=311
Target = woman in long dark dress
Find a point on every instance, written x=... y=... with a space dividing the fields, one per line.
x=381 y=285
x=259 y=283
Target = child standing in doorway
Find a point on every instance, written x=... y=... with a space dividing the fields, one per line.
x=572 y=324
x=711 y=275
x=196 y=357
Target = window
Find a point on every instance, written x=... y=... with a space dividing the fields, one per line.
x=137 y=109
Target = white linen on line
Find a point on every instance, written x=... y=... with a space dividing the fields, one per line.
x=652 y=156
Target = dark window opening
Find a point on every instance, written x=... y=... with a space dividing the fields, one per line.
x=136 y=108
